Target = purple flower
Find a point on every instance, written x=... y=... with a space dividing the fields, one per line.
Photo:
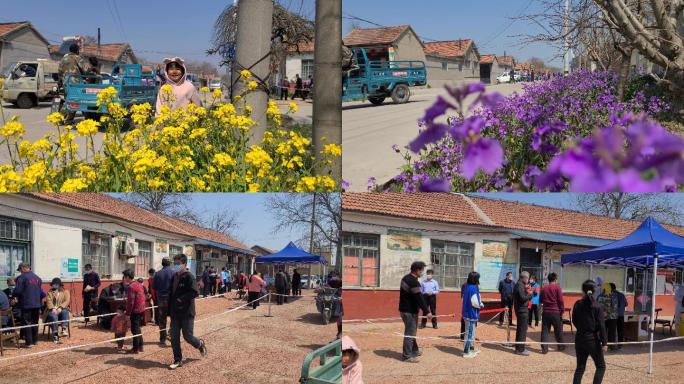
x=429 y=135
x=437 y=109
x=483 y=154
x=436 y=185
x=461 y=93
x=345 y=185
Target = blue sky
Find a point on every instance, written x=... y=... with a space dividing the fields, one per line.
x=487 y=22
x=256 y=221
x=156 y=29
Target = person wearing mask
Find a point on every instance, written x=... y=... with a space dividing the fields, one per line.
x=28 y=293
x=206 y=281
x=352 y=369
x=533 y=308
x=162 y=289
x=335 y=281
x=621 y=306
x=610 y=309
x=553 y=307
x=224 y=279
x=57 y=312
x=13 y=302
x=135 y=309
x=430 y=289
x=182 y=310
x=590 y=335
x=254 y=290
x=153 y=296
x=213 y=281
x=506 y=292
x=91 y=284
x=296 y=283
x=410 y=300
x=522 y=293
x=4 y=305
x=463 y=327
x=470 y=312
x=280 y=283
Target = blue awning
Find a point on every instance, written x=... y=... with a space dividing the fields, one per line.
x=224 y=246
x=291 y=255
x=560 y=238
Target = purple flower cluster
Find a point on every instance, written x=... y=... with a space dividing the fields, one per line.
x=567 y=133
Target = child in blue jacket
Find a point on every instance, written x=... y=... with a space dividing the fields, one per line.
x=470 y=311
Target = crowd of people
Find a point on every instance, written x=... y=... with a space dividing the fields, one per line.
x=301 y=87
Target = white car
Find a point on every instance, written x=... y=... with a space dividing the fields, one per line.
x=305 y=282
x=503 y=78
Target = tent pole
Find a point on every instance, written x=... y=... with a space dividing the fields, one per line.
x=653 y=308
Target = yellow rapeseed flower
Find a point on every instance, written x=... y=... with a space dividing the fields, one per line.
x=167 y=93
x=252 y=85
x=74 y=185
x=198 y=132
x=223 y=160
x=106 y=96
x=333 y=150
x=258 y=157
x=254 y=187
x=55 y=118
x=217 y=94
x=14 y=128
x=205 y=89
x=246 y=74
x=42 y=146
x=87 y=127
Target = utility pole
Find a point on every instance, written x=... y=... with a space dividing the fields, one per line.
x=327 y=106
x=311 y=238
x=566 y=39
x=255 y=23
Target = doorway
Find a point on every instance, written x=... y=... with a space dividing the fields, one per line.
x=531 y=261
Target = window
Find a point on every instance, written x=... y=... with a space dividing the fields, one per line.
x=361 y=253
x=96 y=251
x=451 y=262
x=445 y=66
x=15 y=245
x=174 y=250
x=307 y=69
x=574 y=276
x=143 y=260
x=610 y=275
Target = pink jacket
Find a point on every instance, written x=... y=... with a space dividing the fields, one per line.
x=255 y=283
x=183 y=91
x=353 y=372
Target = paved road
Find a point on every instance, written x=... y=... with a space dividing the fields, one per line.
x=37 y=127
x=368 y=133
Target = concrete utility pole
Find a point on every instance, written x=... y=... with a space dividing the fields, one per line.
x=566 y=44
x=255 y=22
x=327 y=106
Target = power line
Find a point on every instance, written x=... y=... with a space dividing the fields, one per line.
x=513 y=20
x=349 y=16
x=118 y=17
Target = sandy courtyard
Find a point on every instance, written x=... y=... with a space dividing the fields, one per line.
x=244 y=346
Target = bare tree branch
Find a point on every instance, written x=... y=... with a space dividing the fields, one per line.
x=631 y=206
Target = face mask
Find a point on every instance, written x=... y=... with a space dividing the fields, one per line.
x=177 y=267
x=429 y=277
x=55 y=286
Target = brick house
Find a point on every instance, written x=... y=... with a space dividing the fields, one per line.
x=108 y=54
x=20 y=41
x=383 y=233
x=399 y=43
x=489 y=69
x=506 y=63
x=452 y=62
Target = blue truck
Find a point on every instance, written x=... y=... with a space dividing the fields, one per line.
x=377 y=80
x=134 y=84
x=327 y=369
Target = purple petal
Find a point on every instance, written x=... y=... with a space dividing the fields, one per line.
x=431 y=134
x=436 y=185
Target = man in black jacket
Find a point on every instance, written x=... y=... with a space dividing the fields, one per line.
x=410 y=300
x=522 y=293
x=280 y=284
x=182 y=310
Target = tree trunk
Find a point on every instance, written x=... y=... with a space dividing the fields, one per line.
x=327 y=106
x=624 y=73
x=255 y=21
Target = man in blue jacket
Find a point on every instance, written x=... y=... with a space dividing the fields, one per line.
x=162 y=289
x=28 y=292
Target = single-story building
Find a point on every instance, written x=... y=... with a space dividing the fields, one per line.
x=506 y=63
x=20 y=41
x=399 y=43
x=452 y=62
x=59 y=233
x=454 y=234
x=258 y=252
x=107 y=54
x=300 y=62
x=489 y=69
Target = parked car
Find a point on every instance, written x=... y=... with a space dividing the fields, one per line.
x=29 y=82
x=503 y=78
x=316 y=281
x=215 y=84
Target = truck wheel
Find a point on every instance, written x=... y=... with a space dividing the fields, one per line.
x=25 y=101
x=401 y=94
x=376 y=100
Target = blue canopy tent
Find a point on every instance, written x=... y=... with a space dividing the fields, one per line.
x=292 y=254
x=649 y=247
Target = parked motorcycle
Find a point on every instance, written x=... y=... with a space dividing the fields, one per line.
x=327 y=303
x=59 y=100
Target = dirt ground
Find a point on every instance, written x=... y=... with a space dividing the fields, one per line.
x=244 y=346
x=441 y=361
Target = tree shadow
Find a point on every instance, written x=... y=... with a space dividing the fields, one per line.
x=138 y=363
x=389 y=354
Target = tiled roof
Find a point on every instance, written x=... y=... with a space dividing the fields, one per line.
x=487 y=59
x=505 y=60
x=303 y=47
x=7 y=28
x=262 y=251
x=453 y=208
x=453 y=48
x=522 y=66
x=374 y=36
x=106 y=205
x=442 y=207
x=108 y=52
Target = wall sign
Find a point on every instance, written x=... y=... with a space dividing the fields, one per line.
x=70 y=268
x=398 y=240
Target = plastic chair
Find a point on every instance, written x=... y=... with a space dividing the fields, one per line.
x=568 y=321
x=13 y=334
x=663 y=322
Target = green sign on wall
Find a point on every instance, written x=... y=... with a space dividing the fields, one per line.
x=70 y=268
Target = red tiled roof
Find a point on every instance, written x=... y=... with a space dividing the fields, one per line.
x=453 y=48
x=7 y=28
x=522 y=66
x=303 y=47
x=374 y=36
x=505 y=60
x=487 y=59
x=108 y=52
x=441 y=207
x=262 y=251
x=104 y=204
x=453 y=208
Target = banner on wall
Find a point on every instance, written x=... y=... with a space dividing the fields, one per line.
x=398 y=240
x=161 y=247
x=493 y=248
x=69 y=268
x=189 y=250
x=491 y=272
